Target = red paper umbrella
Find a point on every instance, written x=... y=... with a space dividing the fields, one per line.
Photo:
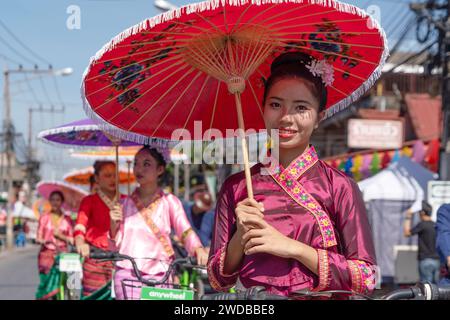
x=208 y=62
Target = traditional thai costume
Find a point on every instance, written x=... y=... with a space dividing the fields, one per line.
x=144 y=235
x=311 y=202
x=93 y=223
x=48 y=223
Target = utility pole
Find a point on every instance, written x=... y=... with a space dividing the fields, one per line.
x=444 y=154
x=30 y=154
x=9 y=136
x=423 y=11
x=8 y=130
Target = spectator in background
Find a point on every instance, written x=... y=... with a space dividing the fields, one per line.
x=443 y=239
x=428 y=257
x=200 y=211
x=3 y=217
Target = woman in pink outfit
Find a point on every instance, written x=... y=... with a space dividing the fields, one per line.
x=55 y=232
x=141 y=226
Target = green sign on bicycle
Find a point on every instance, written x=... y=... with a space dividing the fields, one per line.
x=70 y=262
x=152 y=293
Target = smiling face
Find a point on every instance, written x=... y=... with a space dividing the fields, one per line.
x=56 y=202
x=146 y=168
x=106 y=178
x=293 y=109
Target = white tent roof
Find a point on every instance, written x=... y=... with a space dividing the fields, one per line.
x=404 y=180
x=22 y=211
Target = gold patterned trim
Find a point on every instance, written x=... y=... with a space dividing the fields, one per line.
x=324 y=270
x=363 y=276
x=146 y=213
x=355 y=275
x=109 y=203
x=215 y=283
x=288 y=181
x=185 y=234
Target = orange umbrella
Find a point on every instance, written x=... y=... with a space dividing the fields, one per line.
x=127 y=153
x=82 y=176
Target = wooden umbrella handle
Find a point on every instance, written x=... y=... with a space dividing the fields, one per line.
x=129 y=177
x=248 y=177
x=117 y=197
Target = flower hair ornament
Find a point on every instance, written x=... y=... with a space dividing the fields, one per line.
x=322 y=69
x=163 y=148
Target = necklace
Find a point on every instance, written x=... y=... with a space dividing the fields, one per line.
x=55 y=219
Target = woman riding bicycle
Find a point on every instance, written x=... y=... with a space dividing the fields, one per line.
x=306 y=227
x=92 y=227
x=55 y=232
x=141 y=227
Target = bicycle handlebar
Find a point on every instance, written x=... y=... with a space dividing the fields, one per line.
x=115 y=256
x=421 y=291
x=253 y=293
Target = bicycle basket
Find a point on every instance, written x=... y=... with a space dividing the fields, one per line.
x=133 y=289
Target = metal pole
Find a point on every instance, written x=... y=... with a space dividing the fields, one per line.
x=129 y=176
x=444 y=159
x=176 y=179
x=8 y=150
x=187 y=185
x=30 y=150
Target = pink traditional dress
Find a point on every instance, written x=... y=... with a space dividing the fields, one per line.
x=52 y=245
x=308 y=201
x=144 y=235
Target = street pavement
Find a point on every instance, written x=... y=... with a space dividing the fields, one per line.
x=19 y=276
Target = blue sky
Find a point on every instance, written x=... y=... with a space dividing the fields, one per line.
x=41 y=25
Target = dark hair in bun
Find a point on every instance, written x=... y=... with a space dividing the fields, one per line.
x=293 y=65
x=100 y=164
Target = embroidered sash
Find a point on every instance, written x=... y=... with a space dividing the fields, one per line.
x=109 y=203
x=288 y=180
x=147 y=213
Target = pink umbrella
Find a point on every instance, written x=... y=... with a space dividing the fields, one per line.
x=72 y=195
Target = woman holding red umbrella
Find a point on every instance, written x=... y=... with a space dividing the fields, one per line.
x=306 y=226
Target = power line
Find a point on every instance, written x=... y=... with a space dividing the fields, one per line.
x=405 y=32
x=44 y=89
x=22 y=44
x=30 y=88
x=391 y=32
x=403 y=2
x=58 y=93
x=429 y=46
x=14 y=50
x=9 y=59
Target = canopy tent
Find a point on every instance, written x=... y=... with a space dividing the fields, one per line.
x=388 y=195
x=404 y=180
